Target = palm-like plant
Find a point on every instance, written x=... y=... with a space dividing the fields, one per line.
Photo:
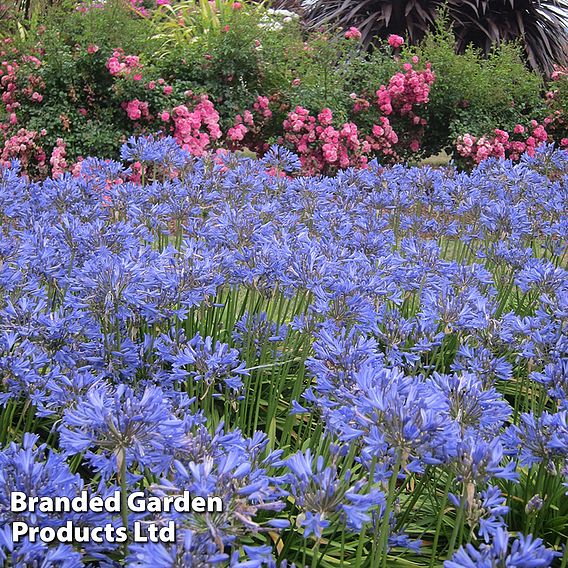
x=540 y=25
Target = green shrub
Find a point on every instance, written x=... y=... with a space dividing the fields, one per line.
x=247 y=53
x=476 y=94
x=111 y=25
x=235 y=53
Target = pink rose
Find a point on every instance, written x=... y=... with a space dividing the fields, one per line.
x=353 y=33
x=133 y=110
x=325 y=116
x=395 y=41
x=468 y=140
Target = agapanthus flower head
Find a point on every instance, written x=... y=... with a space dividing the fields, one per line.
x=282 y=159
x=478 y=460
x=398 y=416
x=555 y=377
x=471 y=405
x=539 y=439
x=148 y=150
x=37 y=471
x=238 y=472
x=322 y=494
x=215 y=364
x=117 y=425
x=33 y=469
x=524 y=551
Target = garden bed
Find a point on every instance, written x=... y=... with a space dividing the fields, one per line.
x=368 y=369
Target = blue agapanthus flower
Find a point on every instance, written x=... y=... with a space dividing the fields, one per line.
x=322 y=495
x=33 y=469
x=523 y=552
x=282 y=159
x=539 y=439
x=115 y=425
x=147 y=149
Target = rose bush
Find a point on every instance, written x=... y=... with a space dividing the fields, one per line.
x=242 y=77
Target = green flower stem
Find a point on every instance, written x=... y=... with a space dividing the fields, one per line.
x=440 y=520
x=123 y=492
x=384 y=534
x=459 y=523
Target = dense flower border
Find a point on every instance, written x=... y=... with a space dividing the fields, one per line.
x=388 y=123
x=401 y=320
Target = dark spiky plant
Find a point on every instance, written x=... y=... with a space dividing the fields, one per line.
x=293 y=5
x=540 y=25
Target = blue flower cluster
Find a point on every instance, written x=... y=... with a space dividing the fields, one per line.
x=367 y=365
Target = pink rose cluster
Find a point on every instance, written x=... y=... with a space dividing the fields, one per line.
x=57 y=159
x=502 y=144
x=136 y=110
x=317 y=142
x=324 y=148
x=241 y=128
x=383 y=139
x=557 y=127
x=12 y=95
x=251 y=121
x=25 y=146
x=401 y=98
x=195 y=129
x=405 y=91
x=121 y=65
x=9 y=89
x=261 y=107
x=395 y=41
x=557 y=122
x=353 y=33
x=559 y=73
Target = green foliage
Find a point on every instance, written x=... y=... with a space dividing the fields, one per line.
x=539 y=25
x=187 y=21
x=236 y=55
x=111 y=25
x=233 y=55
x=476 y=94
